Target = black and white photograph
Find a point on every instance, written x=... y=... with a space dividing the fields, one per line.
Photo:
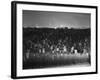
x=53 y=39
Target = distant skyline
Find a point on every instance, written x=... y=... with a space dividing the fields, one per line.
x=55 y=19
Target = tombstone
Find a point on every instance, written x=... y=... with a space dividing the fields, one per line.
x=75 y=51
x=72 y=49
x=57 y=49
x=84 y=51
x=27 y=54
x=43 y=50
x=40 y=51
x=64 y=49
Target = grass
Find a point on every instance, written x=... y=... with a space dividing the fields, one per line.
x=54 y=60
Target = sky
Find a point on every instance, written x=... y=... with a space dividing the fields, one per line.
x=55 y=19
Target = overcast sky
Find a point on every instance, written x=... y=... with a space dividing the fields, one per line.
x=55 y=19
